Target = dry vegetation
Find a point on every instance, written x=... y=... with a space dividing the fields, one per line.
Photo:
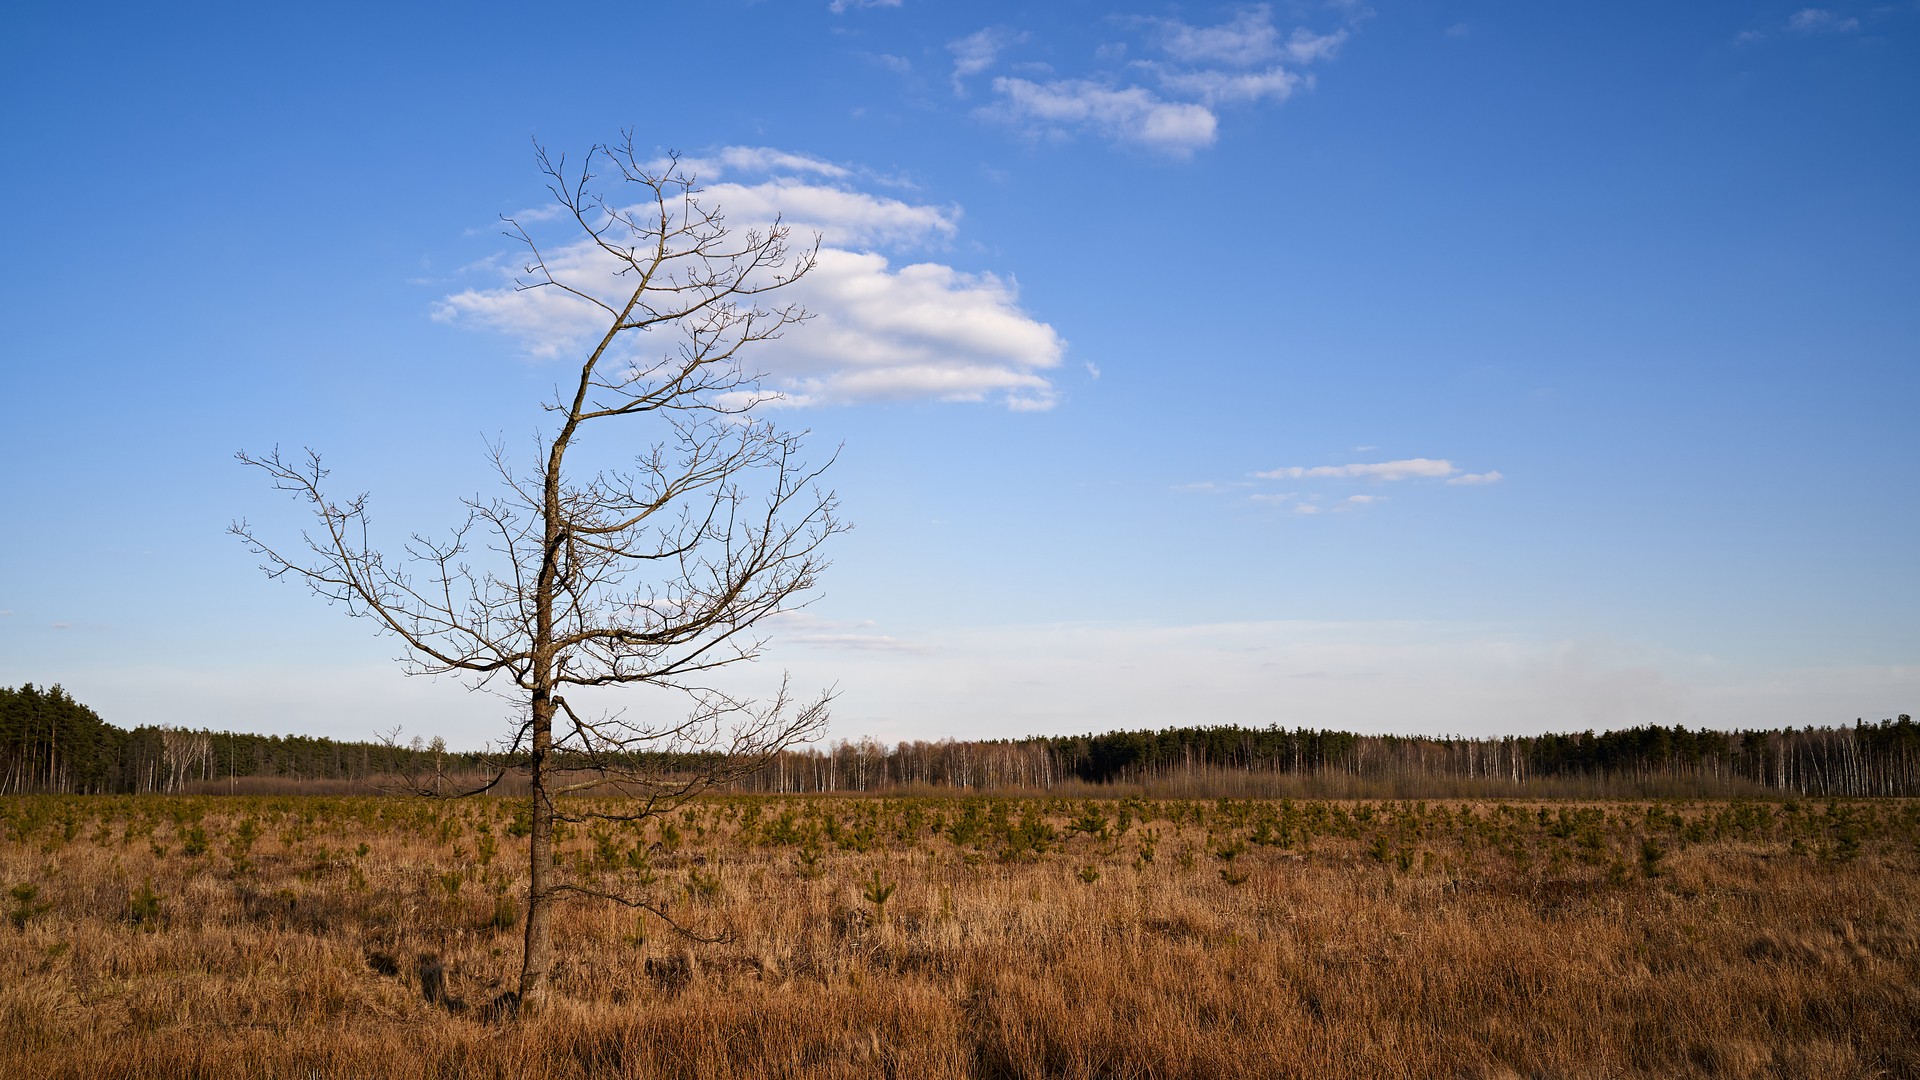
x=933 y=937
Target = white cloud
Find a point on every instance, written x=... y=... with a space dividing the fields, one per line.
x=757 y=159
x=841 y=7
x=1491 y=477
x=1093 y=369
x=1130 y=114
x=1308 y=505
x=1378 y=472
x=533 y=214
x=1248 y=38
x=1242 y=61
x=922 y=331
x=880 y=332
x=1384 y=470
x=1304 y=46
x=1821 y=21
x=842 y=217
x=977 y=52
x=1232 y=87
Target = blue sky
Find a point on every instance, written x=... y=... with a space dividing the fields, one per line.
x=1416 y=367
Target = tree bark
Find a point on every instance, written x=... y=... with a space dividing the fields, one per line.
x=537 y=959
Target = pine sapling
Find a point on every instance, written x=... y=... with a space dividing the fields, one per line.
x=877 y=892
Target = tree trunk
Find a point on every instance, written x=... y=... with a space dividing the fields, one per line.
x=537 y=959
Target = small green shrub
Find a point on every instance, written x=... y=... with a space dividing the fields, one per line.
x=812 y=854
x=143 y=906
x=641 y=864
x=877 y=891
x=1651 y=854
x=26 y=904
x=704 y=886
x=1149 y=842
x=1090 y=822
x=521 y=826
x=1381 y=849
x=240 y=848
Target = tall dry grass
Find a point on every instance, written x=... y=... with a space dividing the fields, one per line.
x=337 y=938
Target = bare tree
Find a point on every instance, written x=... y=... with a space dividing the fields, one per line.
x=184 y=751
x=655 y=573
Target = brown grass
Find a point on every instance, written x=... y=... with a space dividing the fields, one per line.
x=1361 y=940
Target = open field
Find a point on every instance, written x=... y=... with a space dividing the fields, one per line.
x=945 y=937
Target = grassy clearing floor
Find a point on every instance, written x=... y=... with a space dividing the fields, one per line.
x=344 y=938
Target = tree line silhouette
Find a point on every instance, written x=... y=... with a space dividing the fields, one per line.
x=51 y=743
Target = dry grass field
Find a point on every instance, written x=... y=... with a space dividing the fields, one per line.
x=317 y=938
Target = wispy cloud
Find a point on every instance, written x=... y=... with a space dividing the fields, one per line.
x=1377 y=472
x=1806 y=22
x=1248 y=38
x=1382 y=470
x=977 y=52
x=758 y=159
x=1315 y=504
x=883 y=328
x=1243 y=61
x=1130 y=114
x=841 y=7
x=1233 y=87
x=1821 y=21
x=806 y=628
x=1305 y=47
x=1492 y=477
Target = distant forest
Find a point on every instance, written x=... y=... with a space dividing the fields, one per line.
x=51 y=743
